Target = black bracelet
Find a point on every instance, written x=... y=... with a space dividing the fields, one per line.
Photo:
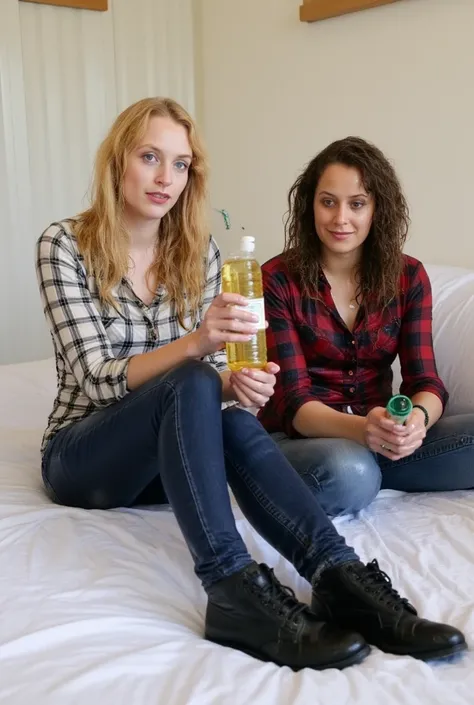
x=427 y=416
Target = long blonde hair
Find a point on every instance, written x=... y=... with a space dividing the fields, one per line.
x=183 y=236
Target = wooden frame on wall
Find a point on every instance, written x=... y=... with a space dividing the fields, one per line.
x=314 y=10
x=101 y=5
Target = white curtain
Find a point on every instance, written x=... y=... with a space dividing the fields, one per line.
x=64 y=76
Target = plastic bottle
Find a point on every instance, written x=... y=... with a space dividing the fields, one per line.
x=241 y=274
x=399 y=408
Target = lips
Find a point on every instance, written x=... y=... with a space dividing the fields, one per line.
x=158 y=197
x=340 y=235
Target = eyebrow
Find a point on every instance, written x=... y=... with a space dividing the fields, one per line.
x=157 y=149
x=356 y=195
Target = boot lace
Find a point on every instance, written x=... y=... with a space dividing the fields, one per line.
x=377 y=583
x=282 y=600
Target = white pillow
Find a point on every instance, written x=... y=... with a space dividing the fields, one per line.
x=453 y=335
x=27 y=391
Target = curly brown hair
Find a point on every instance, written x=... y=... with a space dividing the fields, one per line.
x=381 y=265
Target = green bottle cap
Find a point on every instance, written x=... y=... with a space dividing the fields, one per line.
x=399 y=408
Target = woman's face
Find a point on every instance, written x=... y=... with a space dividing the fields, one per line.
x=343 y=210
x=157 y=171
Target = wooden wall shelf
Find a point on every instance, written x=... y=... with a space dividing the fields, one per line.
x=314 y=10
x=101 y=5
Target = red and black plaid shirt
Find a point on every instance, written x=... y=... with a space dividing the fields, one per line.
x=322 y=360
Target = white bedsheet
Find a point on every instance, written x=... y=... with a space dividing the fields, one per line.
x=103 y=607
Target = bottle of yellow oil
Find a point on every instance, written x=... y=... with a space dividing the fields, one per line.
x=241 y=274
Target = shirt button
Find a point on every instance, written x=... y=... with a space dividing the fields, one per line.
x=352 y=390
x=351 y=373
x=353 y=342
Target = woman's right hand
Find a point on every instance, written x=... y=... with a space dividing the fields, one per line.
x=224 y=322
x=384 y=436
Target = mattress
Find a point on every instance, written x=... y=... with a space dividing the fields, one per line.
x=103 y=607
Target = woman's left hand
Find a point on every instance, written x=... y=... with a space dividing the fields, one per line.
x=254 y=387
x=395 y=442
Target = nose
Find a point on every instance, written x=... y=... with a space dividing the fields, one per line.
x=341 y=215
x=164 y=174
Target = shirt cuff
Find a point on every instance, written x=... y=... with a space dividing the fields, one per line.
x=437 y=390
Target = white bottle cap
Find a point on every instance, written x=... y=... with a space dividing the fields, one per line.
x=247 y=243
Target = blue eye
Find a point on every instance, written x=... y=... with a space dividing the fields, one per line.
x=149 y=158
x=181 y=166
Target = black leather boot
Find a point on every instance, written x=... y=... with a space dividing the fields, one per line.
x=251 y=611
x=361 y=597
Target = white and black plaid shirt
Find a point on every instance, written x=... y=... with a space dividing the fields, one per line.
x=94 y=342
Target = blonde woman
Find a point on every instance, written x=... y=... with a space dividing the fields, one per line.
x=144 y=411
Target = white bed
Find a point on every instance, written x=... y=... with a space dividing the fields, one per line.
x=103 y=607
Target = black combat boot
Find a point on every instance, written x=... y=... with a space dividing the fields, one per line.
x=251 y=611
x=361 y=598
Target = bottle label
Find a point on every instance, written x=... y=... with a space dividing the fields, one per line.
x=257 y=307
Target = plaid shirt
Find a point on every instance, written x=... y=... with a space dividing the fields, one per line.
x=322 y=360
x=93 y=342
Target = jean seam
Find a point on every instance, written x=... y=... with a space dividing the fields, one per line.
x=189 y=476
x=50 y=491
x=327 y=564
x=440 y=447
x=267 y=506
x=312 y=473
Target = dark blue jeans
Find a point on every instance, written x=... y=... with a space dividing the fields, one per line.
x=169 y=440
x=345 y=477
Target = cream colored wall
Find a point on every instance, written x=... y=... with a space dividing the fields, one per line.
x=274 y=91
x=64 y=76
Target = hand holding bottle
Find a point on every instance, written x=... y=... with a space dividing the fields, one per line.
x=241 y=273
x=393 y=432
x=254 y=387
x=226 y=321
x=384 y=435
